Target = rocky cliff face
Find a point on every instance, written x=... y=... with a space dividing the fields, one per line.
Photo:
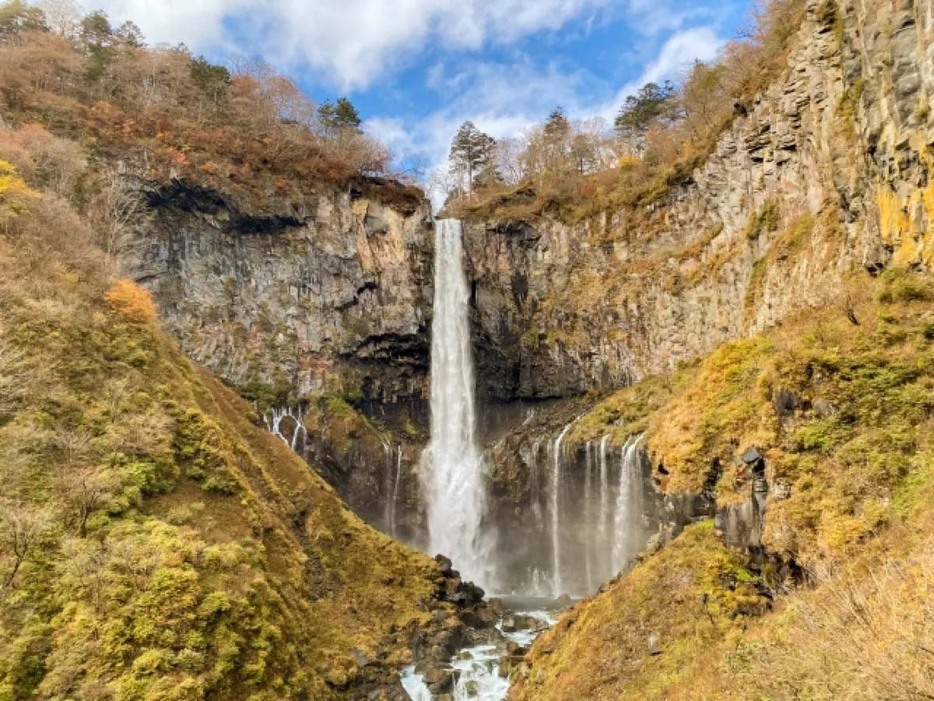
x=319 y=309
x=330 y=294
x=829 y=171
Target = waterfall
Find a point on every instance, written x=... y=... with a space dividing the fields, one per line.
x=604 y=489
x=392 y=486
x=535 y=487
x=452 y=470
x=594 y=504
x=588 y=518
x=396 y=493
x=274 y=419
x=556 y=512
x=627 y=518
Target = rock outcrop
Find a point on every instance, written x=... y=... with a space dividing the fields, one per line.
x=321 y=306
x=330 y=294
x=829 y=171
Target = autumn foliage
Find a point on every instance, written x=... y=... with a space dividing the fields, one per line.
x=245 y=127
x=13 y=191
x=131 y=301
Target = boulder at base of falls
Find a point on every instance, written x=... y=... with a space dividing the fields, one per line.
x=452 y=588
x=446 y=567
x=439 y=680
x=523 y=622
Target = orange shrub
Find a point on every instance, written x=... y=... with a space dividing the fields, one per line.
x=131 y=301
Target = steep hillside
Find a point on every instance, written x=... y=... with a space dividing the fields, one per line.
x=155 y=541
x=810 y=575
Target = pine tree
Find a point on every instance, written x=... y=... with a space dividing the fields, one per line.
x=652 y=102
x=338 y=116
x=557 y=141
x=557 y=127
x=98 y=38
x=471 y=154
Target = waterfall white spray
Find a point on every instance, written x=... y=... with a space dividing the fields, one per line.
x=628 y=504
x=556 y=512
x=452 y=472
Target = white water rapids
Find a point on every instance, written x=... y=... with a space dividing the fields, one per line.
x=477 y=668
x=452 y=467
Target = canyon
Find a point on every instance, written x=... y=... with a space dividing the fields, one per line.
x=324 y=304
x=673 y=442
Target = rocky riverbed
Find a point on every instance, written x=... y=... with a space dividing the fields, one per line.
x=472 y=653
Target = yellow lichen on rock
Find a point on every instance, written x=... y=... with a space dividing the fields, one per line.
x=906 y=225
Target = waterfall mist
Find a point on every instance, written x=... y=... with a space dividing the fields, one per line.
x=452 y=465
x=588 y=510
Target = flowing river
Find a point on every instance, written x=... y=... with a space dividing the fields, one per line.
x=477 y=669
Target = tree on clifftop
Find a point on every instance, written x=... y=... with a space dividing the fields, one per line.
x=339 y=115
x=650 y=104
x=339 y=123
x=472 y=154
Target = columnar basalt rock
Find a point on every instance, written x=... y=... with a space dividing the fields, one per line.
x=828 y=171
x=331 y=294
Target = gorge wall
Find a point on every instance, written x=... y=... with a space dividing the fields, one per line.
x=329 y=294
x=326 y=302
x=825 y=179
x=827 y=172
x=317 y=309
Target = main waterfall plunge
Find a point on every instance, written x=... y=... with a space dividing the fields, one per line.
x=452 y=465
x=588 y=514
x=519 y=503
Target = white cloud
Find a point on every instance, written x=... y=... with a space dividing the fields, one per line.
x=651 y=17
x=352 y=43
x=505 y=100
x=680 y=51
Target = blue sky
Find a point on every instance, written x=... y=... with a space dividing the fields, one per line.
x=416 y=69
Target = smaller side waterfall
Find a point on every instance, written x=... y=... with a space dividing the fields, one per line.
x=588 y=518
x=535 y=485
x=556 y=485
x=597 y=510
x=627 y=520
x=288 y=423
x=603 y=524
x=392 y=487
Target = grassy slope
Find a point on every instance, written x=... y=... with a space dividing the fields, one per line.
x=173 y=550
x=854 y=448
